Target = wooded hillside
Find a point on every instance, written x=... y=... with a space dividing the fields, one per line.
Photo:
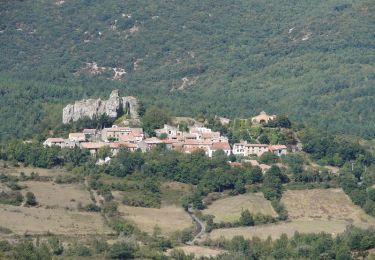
x=313 y=60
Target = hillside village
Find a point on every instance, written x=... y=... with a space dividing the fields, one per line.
x=195 y=137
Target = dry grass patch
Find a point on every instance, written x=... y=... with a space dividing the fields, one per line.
x=324 y=204
x=168 y=218
x=58 y=195
x=23 y=220
x=199 y=251
x=229 y=209
x=310 y=211
x=16 y=171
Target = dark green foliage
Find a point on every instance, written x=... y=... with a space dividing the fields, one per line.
x=246 y=218
x=13 y=198
x=31 y=199
x=280 y=121
x=79 y=249
x=154 y=118
x=331 y=150
x=55 y=245
x=122 y=250
x=4 y=246
x=272 y=183
x=27 y=250
x=268 y=158
x=299 y=58
x=125 y=163
x=302 y=246
x=263 y=139
x=92 y=207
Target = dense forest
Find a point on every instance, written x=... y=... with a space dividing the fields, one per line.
x=311 y=60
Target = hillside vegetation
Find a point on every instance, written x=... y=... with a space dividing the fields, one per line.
x=313 y=60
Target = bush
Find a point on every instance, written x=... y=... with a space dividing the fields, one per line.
x=30 y=199
x=55 y=245
x=12 y=198
x=122 y=250
x=246 y=218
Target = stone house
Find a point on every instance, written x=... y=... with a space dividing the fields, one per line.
x=54 y=142
x=279 y=150
x=245 y=149
x=262 y=118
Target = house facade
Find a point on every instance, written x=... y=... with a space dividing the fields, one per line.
x=245 y=149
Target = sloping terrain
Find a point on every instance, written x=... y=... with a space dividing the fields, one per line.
x=311 y=59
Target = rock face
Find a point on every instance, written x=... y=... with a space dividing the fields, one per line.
x=96 y=107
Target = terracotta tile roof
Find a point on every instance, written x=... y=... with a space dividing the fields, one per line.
x=221 y=145
x=55 y=140
x=127 y=138
x=197 y=142
x=170 y=141
x=92 y=145
x=251 y=145
x=77 y=135
x=277 y=147
x=153 y=140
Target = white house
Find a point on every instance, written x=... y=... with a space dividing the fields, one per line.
x=54 y=141
x=245 y=149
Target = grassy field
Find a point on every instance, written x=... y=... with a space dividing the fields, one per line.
x=168 y=218
x=49 y=194
x=310 y=211
x=16 y=171
x=199 y=251
x=229 y=209
x=23 y=220
x=324 y=204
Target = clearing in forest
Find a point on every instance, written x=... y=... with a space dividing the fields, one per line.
x=229 y=209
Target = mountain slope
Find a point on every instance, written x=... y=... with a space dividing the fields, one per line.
x=313 y=60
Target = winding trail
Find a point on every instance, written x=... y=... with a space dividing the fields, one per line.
x=200 y=224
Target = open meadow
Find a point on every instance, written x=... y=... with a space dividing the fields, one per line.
x=51 y=195
x=168 y=218
x=229 y=209
x=310 y=211
x=16 y=171
x=39 y=220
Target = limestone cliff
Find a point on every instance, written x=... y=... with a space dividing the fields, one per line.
x=96 y=107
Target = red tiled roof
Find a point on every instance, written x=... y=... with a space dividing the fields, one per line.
x=277 y=147
x=92 y=145
x=55 y=140
x=221 y=145
x=80 y=135
x=153 y=140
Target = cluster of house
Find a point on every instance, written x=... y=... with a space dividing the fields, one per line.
x=196 y=138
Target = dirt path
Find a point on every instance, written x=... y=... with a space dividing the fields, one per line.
x=200 y=224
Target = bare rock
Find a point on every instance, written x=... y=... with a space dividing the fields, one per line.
x=96 y=107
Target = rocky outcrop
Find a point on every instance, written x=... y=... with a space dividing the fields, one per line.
x=96 y=107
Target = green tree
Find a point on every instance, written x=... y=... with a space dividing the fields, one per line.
x=246 y=218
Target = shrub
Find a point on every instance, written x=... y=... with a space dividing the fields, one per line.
x=30 y=199
x=122 y=250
